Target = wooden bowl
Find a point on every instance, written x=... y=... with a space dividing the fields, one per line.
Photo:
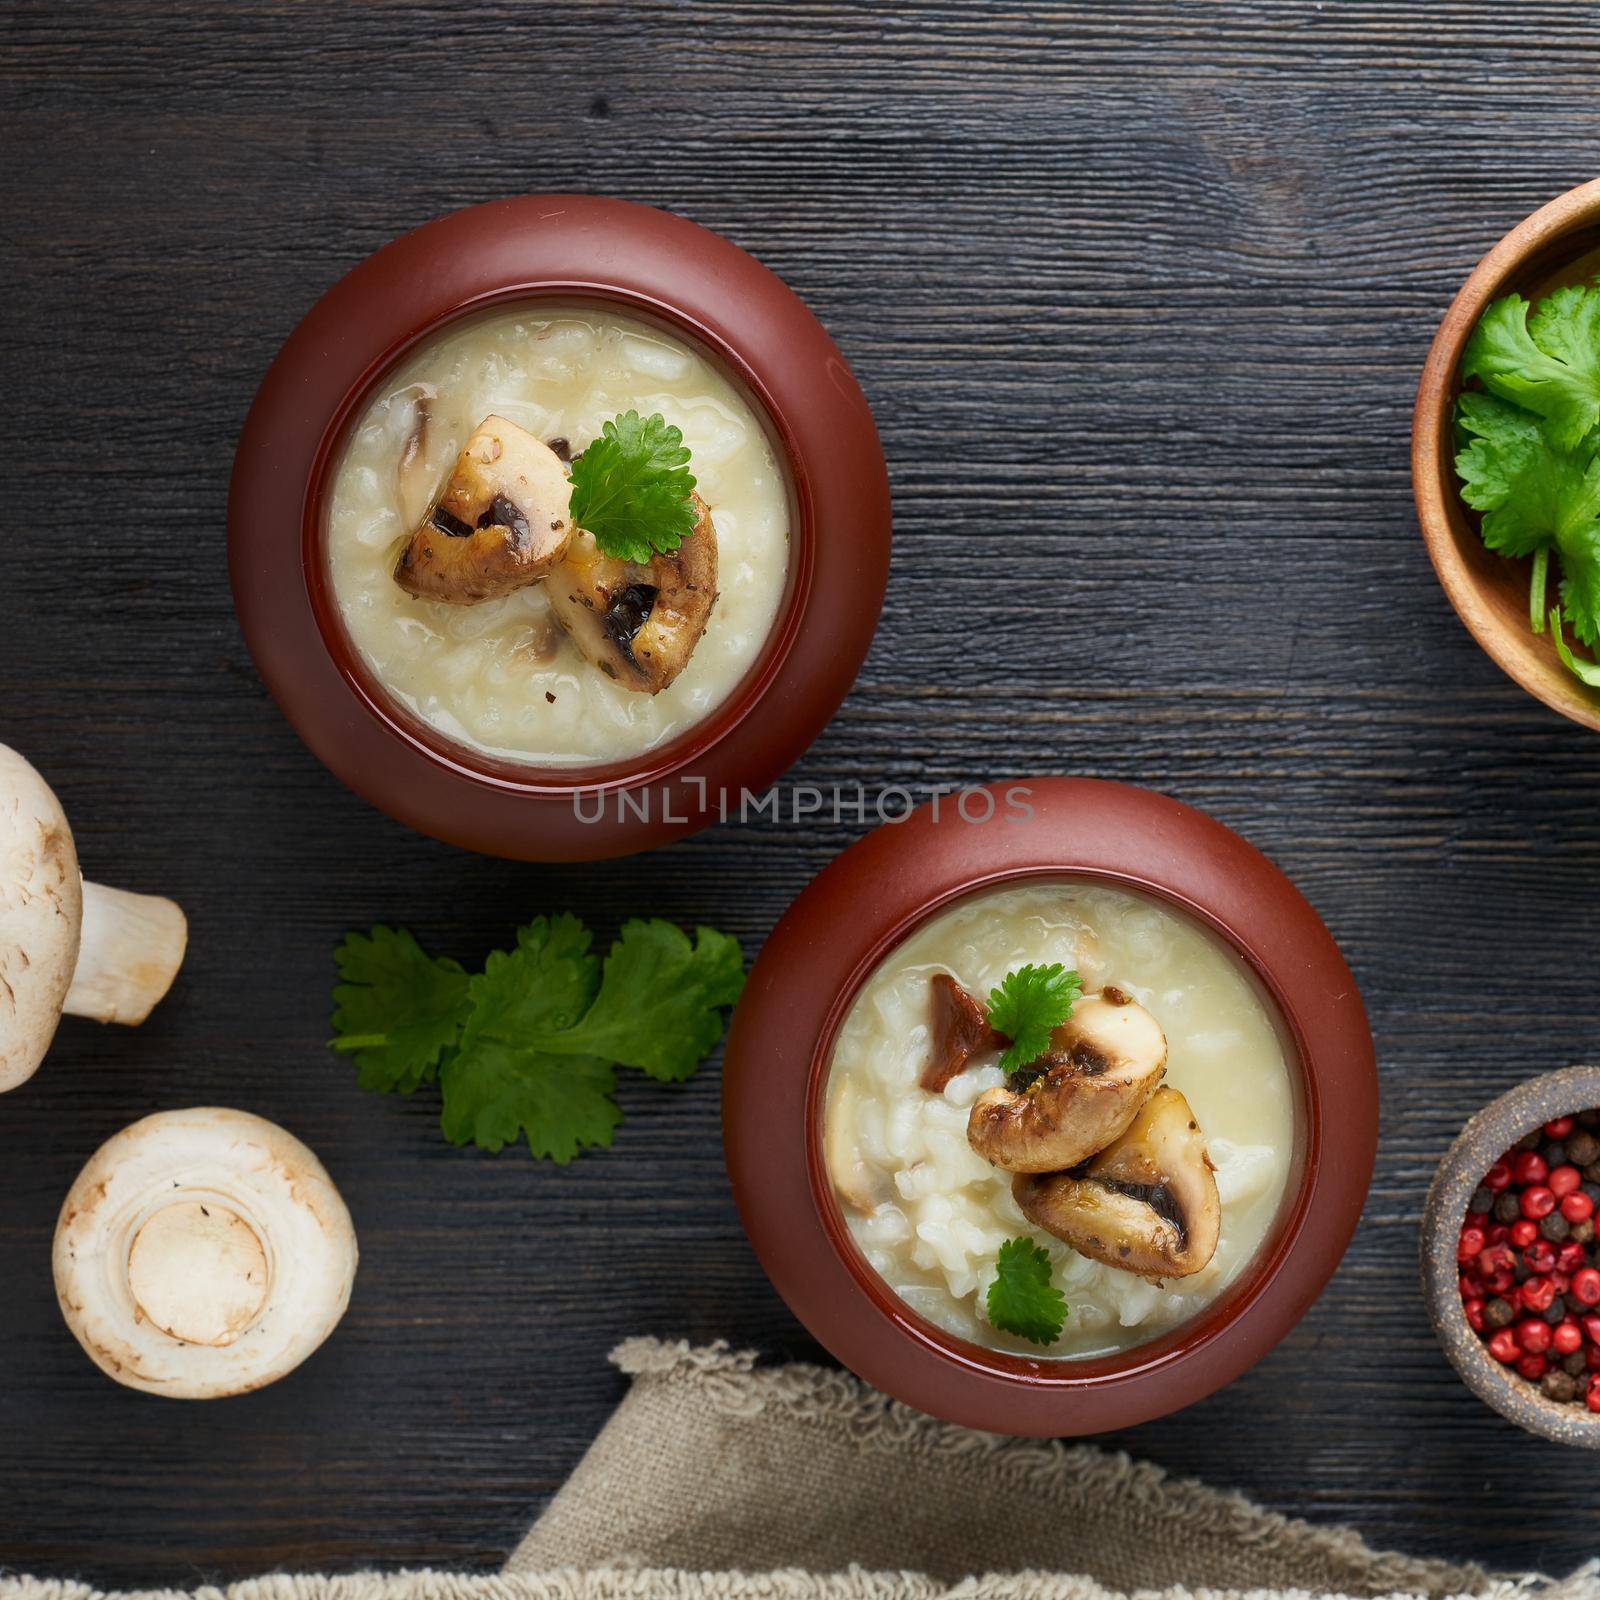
x=868 y=900
x=570 y=249
x=1558 y=244
x=1486 y=1137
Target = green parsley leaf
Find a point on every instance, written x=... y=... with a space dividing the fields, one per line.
x=496 y=1089
x=658 y=1006
x=1588 y=671
x=632 y=490
x=1548 y=363
x=397 y=1010
x=1022 y=1299
x=501 y=1084
x=528 y=1047
x=1029 y=1005
x=1534 y=497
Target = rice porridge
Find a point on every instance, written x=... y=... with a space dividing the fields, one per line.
x=500 y=675
x=930 y=1213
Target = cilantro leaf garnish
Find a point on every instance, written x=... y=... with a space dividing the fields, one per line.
x=528 y=1047
x=1535 y=498
x=1588 y=671
x=397 y=1010
x=497 y=1089
x=658 y=1006
x=1529 y=460
x=1548 y=363
x=631 y=488
x=1028 y=1006
x=1022 y=1299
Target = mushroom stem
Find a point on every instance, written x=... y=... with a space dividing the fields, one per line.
x=129 y=952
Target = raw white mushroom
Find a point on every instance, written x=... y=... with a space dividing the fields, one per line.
x=67 y=945
x=203 y=1253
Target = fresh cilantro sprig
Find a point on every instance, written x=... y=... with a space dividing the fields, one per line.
x=1529 y=457
x=528 y=1047
x=1028 y=1006
x=1547 y=362
x=397 y=1010
x=631 y=488
x=1022 y=1299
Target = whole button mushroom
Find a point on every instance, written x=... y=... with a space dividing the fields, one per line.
x=203 y=1253
x=67 y=945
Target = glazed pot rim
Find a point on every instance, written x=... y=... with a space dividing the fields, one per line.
x=572 y=250
x=1433 y=482
x=894 y=880
x=1525 y=1107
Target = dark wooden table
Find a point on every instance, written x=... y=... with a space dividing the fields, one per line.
x=1139 y=293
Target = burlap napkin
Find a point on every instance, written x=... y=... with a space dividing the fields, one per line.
x=717 y=1478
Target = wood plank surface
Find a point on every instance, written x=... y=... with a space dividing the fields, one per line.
x=1139 y=294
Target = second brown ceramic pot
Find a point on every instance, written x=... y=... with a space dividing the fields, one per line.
x=869 y=899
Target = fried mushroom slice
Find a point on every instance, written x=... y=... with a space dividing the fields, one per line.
x=502 y=520
x=638 y=622
x=1104 y=1062
x=960 y=1026
x=1148 y=1204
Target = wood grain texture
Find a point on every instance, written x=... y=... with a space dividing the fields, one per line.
x=1139 y=294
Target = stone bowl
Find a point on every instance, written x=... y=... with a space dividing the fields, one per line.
x=1487 y=1135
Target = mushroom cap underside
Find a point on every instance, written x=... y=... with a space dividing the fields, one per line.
x=1147 y=1204
x=41 y=916
x=203 y=1253
x=502 y=520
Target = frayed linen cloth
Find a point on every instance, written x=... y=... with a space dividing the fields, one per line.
x=717 y=1478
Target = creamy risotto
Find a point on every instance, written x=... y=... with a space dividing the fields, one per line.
x=930 y=1214
x=501 y=676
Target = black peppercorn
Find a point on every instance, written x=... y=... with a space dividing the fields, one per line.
x=1482 y=1201
x=1520 y=1270
x=1583 y=1148
x=1499 y=1313
x=1507 y=1207
x=1529 y=1141
x=1592 y=1190
x=1555 y=1154
x=1555 y=1312
x=1583 y=1232
x=1591 y=1172
x=1589 y=1119
x=1555 y=1228
x=1558 y=1386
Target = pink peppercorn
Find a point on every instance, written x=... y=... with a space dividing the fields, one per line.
x=1563 y=1180
x=1537 y=1202
x=1534 y=1337
x=1530 y=1167
x=1503 y=1346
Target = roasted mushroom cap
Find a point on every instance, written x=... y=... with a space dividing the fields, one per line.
x=203 y=1253
x=502 y=520
x=638 y=622
x=1148 y=1204
x=67 y=945
x=1104 y=1062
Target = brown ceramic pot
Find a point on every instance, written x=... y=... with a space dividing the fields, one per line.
x=866 y=902
x=1558 y=244
x=658 y=268
x=1480 y=1144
